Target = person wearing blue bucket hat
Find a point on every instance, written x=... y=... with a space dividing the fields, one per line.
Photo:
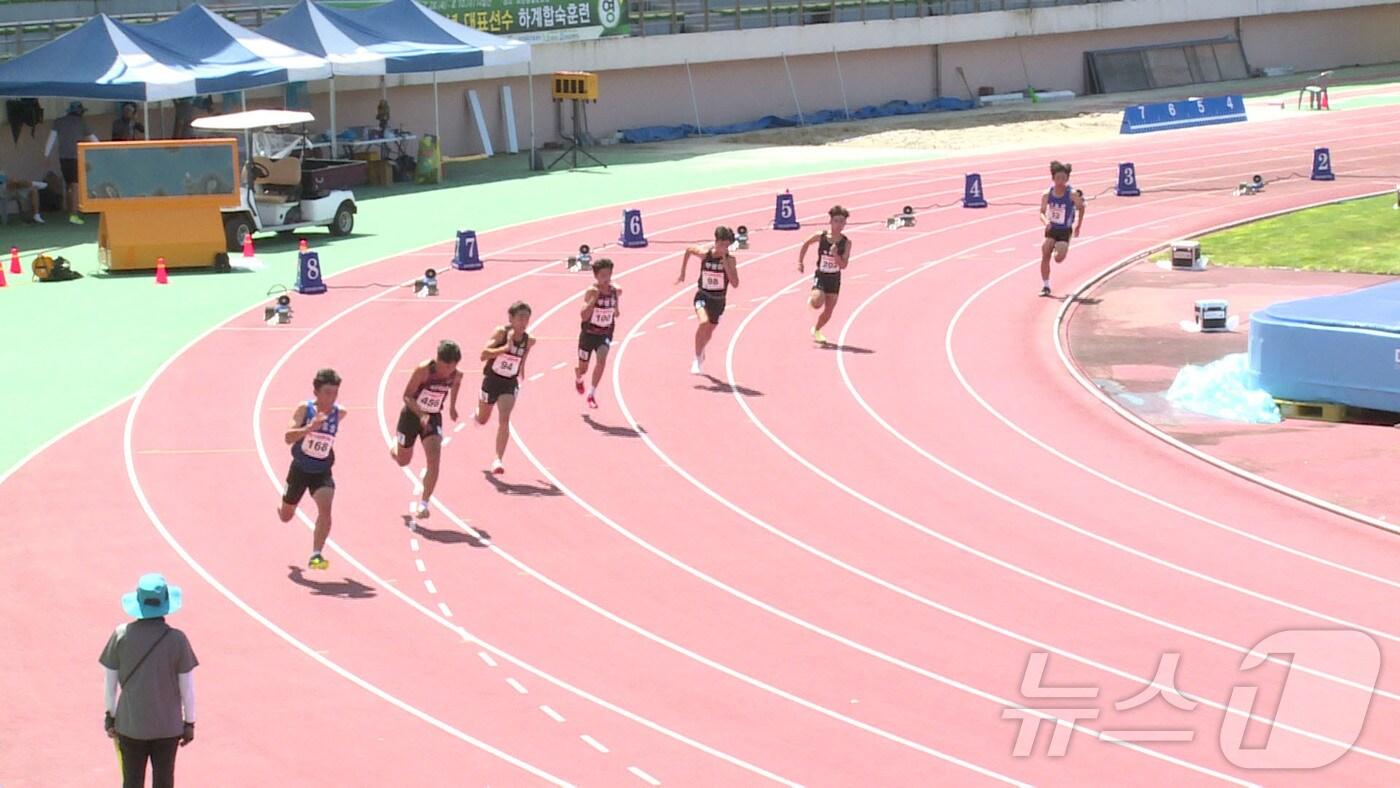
x=152 y=665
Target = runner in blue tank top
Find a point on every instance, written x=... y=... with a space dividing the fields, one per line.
x=311 y=434
x=1062 y=213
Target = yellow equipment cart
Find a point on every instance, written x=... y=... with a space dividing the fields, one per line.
x=159 y=198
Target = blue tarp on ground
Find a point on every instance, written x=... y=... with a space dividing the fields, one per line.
x=900 y=107
x=398 y=37
x=192 y=53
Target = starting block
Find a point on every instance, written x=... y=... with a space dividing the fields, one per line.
x=741 y=237
x=1186 y=256
x=280 y=311
x=1252 y=186
x=904 y=218
x=427 y=286
x=583 y=261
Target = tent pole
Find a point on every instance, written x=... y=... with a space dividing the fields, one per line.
x=530 y=75
x=243 y=99
x=146 y=114
x=437 y=128
x=333 y=151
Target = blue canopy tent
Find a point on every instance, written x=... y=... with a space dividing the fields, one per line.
x=191 y=54
x=398 y=37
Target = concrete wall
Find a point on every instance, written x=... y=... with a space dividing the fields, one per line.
x=740 y=76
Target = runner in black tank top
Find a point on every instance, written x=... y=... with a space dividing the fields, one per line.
x=718 y=272
x=311 y=434
x=833 y=254
x=434 y=383
x=600 y=313
x=505 y=357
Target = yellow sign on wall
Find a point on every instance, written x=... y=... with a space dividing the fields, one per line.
x=578 y=85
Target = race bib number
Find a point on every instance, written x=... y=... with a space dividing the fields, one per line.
x=712 y=280
x=506 y=365
x=603 y=317
x=827 y=264
x=1057 y=214
x=431 y=400
x=317 y=445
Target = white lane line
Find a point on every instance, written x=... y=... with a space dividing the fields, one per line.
x=459 y=427
x=413 y=545
x=432 y=589
x=667 y=324
x=446 y=611
x=644 y=776
x=891 y=269
x=445 y=441
x=552 y=714
x=517 y=686
x=560 y=365
x=422 y=567
x=537 y=376
x=594 y=743
x=490 y=663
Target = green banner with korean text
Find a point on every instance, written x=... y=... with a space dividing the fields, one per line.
x=539 y=21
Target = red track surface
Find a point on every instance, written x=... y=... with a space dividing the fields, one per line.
x=815 y=566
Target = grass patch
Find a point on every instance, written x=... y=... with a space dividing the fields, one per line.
x=1359 y=236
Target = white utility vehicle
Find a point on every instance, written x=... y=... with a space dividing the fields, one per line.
x=283 y=190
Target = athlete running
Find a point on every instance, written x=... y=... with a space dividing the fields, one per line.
x=500 y=384
x=718 y=272
x=1062 y=213
x=311 y=434
x=600 y=313
x=433 y=383
x=833 y=254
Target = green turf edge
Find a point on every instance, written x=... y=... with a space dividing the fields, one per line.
x=1356 y=236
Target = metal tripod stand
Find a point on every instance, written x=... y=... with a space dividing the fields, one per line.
x=580 y=122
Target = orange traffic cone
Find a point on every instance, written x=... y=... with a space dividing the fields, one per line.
x=15 y=267
x=248 y=245
x=2 y=277
x=1324 y=99
x=302 y=246
x=161 y=277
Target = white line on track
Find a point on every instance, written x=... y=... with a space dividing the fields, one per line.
x=647 y=778
x=490 y=663
x=517 y=686
x=552 y=714
x=594 y=743
x=432 y=589
x=422 y=567
x=446 y=611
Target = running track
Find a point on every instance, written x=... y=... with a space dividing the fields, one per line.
x=810 y=566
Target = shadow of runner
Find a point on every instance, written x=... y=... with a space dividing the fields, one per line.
x=446 y=535
x=506 y=488
x=616 y=432
x=345 y=589
x=721 y=387
x=860 y=351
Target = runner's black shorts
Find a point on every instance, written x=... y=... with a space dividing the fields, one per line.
x=494 y=386
x=1060 y=234
x=410 y=427
x=714 y=305
x=299 y=481
x=588 y=342
x=827 y=282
